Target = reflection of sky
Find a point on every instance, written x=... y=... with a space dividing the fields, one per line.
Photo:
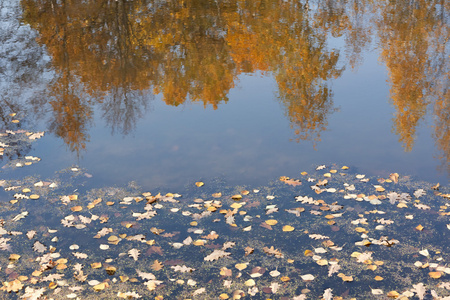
x=249 y=139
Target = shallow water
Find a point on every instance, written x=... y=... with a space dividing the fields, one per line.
x=109 y=100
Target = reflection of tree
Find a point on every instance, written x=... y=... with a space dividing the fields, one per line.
x=281 y=39
x=407 y=35
x=111 y=52
x=442 y=127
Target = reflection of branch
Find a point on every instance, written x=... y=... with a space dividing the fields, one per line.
x=122 y=109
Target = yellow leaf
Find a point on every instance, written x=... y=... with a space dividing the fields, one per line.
x=236 y=197
x=99 y=287
x=435 y=275
x=199 y=183
x=271 y=222
x=52 y=285
x=378 y=278
x=419 y=227
x=322 y=262
x=34 y=197
x=250 y=282
x=393 y=294
x=288 y=228
x=372 y=267
x=110 y=270
x=96 y=265
x=236 y=205
x=360 y=229
x=241 y=267
x=14 y=257
x=76 y=208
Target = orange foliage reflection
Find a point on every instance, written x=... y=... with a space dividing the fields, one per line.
x=111 y=53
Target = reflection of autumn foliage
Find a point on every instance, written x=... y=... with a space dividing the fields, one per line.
x=279 y=37
x=110 y=53
x=442 y=127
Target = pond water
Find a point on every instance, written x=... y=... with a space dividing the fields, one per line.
x=111 y=99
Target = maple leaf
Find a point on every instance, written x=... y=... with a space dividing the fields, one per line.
x=12 y=286
x=327 y=295
x=77 y=267
x=248 y=250
x=4 y=244
x=216 y=254
x=152 y=284
x=104 y=231
x=420 y=290
x=39 y=247
x=32 y=294
x=134 y=253
x=52 y=277
x=182 y=269
x=419 y=193
x=145 y=276
x=275 y=286
x=230 y=220
x=211 y=236
x=333 y=269
x=84 y=219
x=80 y=276
x=157 y=265
x=272 y=251
x=422 y=206
x=228 y=245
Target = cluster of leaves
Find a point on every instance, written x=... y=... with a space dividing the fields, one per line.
x=323 y=238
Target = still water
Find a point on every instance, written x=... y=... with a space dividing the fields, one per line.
x=165 y=93
x=109 y=109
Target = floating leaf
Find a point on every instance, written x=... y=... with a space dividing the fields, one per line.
x=240 y=266
x=134 y=253
x=288 y=228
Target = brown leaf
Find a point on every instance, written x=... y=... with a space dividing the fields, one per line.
x=157 y=265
